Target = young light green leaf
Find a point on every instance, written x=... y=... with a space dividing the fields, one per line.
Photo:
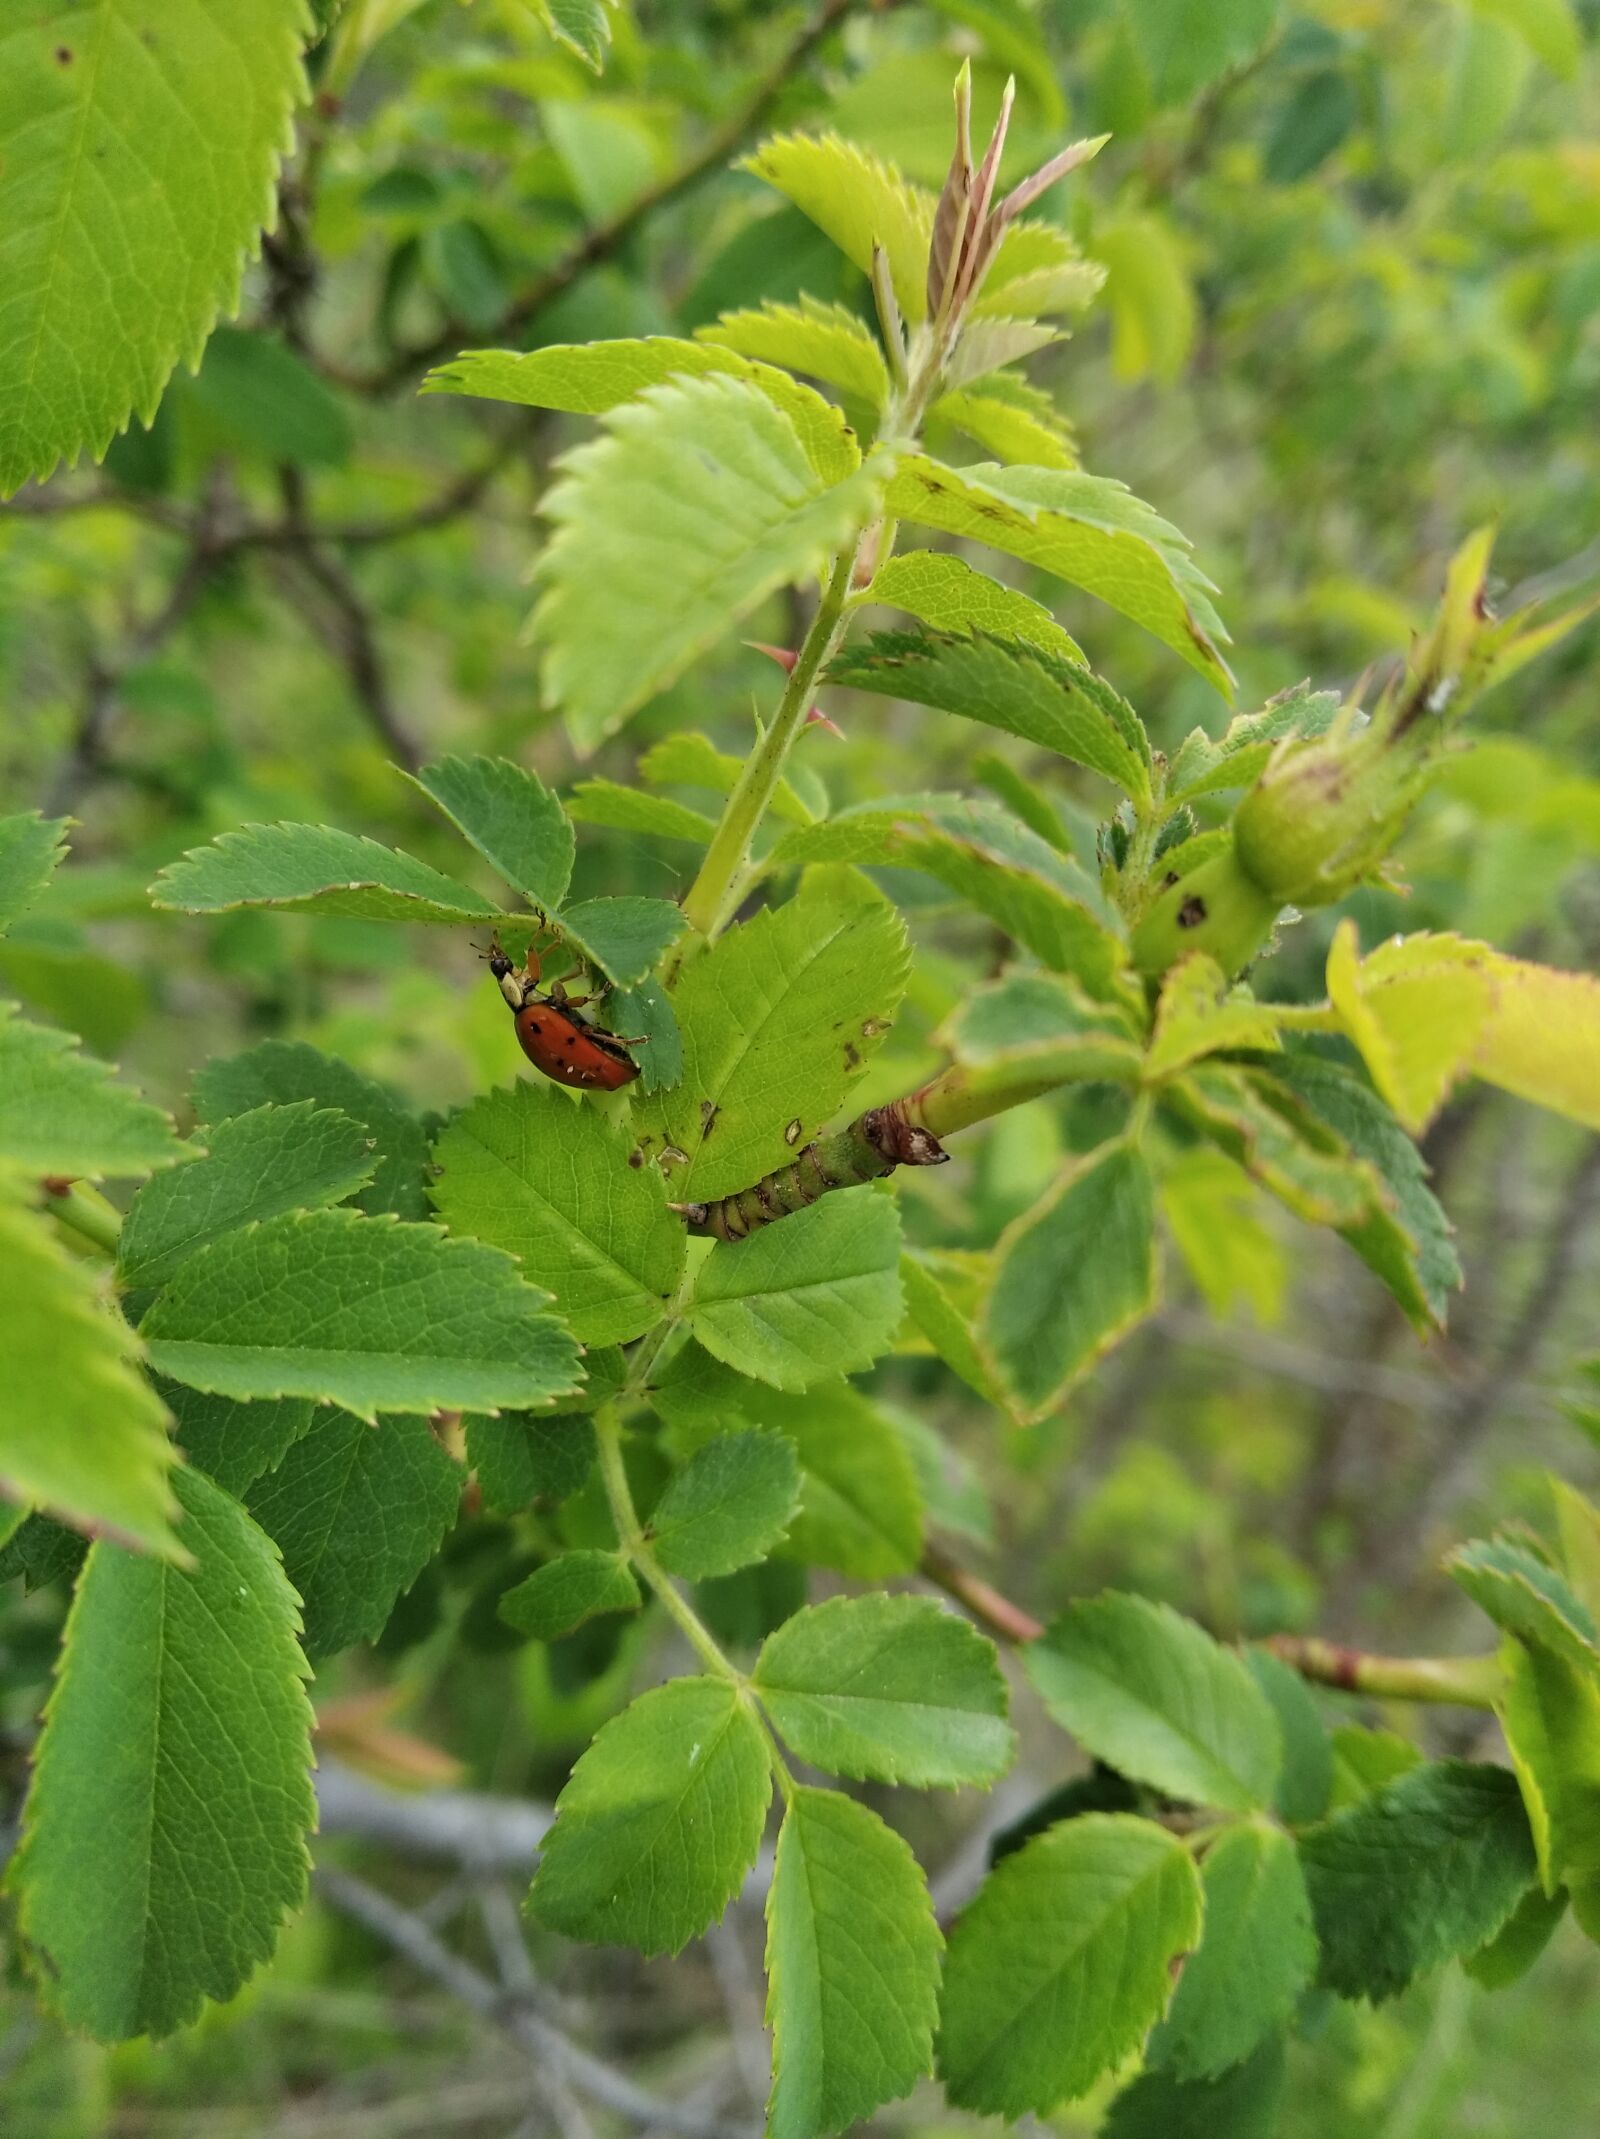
x=1526 y=1597
x=31 y=848
x=728 y=1506
x=370 y=1314
x=103 y=139
x=60 y=1112
x=1071 y=1277
x=823 y=341
x=1364 y=1760
x=1199 y=1014
x=1037 y=270
x=566 y=1593
x=511 y=817
x=623 y=938
x=82 y=1433
x=660 y=1821
x=690 y=759
x=888 y=1689
x=357 y=1512
x=1550 y=1714
x=946 y=592
x=852 y=1967
x=1008 y=684
x=234 y=1443
x=257 y=1165
x=630 y=809
x=778 y=1018
x=1257 y=1955
x=312 y=868
x=1152 y=1694
x=1426 y=1868
x=1083 y=529
x=859 y=202
x=164 y=1837
x=815 y=1295
x=281 y=1072
x=697 y=503
x=1014 y=421
x=1242 y=2103
x=1061 y=1963
x=549 y=1182
x=520 y=1457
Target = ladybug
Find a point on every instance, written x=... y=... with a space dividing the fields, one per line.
x=555 y=1039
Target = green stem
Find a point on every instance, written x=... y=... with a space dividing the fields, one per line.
x=1463 y=1681
x=707 y=903
x=84 y=1211
x=630 y=1533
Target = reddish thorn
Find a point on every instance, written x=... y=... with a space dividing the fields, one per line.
x=781 y=654
x=816 y=718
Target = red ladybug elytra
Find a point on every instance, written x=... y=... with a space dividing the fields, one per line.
x=559 y=1043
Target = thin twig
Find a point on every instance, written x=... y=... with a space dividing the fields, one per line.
x=408 y=1936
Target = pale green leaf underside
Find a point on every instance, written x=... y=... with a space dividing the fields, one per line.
x=138 y=155
x=1083 y=529
x=1061 y=1963
x=511 y=817
x=823 y=341
x=549 y=1182
x=164 y=1838
x=659 y=1822
x=62 y=1113
x=357 y=1512
x=859 y=202
x=367 y=1313
x=816 y=1295
x=313 y=868
x=82 y=1434
x=257 y=1165
x=697 y=503
x=31 y=848
x=852 y=1967
x=1153 y=1695
x=887 y=1689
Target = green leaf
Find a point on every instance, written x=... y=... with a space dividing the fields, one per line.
x=583 y=26
x=1071 y=1277
x=260 y=398
x=1199 y=1014
x=106 y=140
x=1153 y=1695
x=728 y=1506
x=566 y=1593
x=257 y=1165
x=1426 y=1868
x=1306 y=1782
x=549 y=1182
x=697 y=503
x=234 y=1443
x=1525 y=1597
x=660 y=1821
x=1010 y=419
x=888 y=1689
x=646 y=1014
x=362 y=1312
x=778 y=1019
x=60 y=1113
x=823 y=341
x=1083 y=529
x=164 y=1837
x=1150 y=295
x=1549 y=29
x=948 y=593
x=1364 y=1760
x=940 y=1318
x=1257 y=1955
x=1550 y=1714
x=511 y=817
x=1520 y=1940
x=1280 y=1144
x=1240 y=2104
x=629 y=809
x=1044 y=1018
x=852 y=1967
x=592 y=378
x=1062 y=1961
x=31 y=849
x=357 y=1512
x=859 y=202
x=1410 y=1243
x=815 y=1295
x=860 y=1504
x=82 y=1434
x=521 y=1457
x=311 y=868
x=1213 y=1218
x=281 y=1072
x=689 y=759
x=1008 y=684
x=622 y=938
x=1204 y=767
x=1187 y=43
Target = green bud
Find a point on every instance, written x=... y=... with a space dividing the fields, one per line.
x=1325 y=813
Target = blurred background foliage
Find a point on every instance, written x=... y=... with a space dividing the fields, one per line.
x=1352 y=310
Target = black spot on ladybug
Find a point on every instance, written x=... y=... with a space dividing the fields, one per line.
x=1192 y=912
